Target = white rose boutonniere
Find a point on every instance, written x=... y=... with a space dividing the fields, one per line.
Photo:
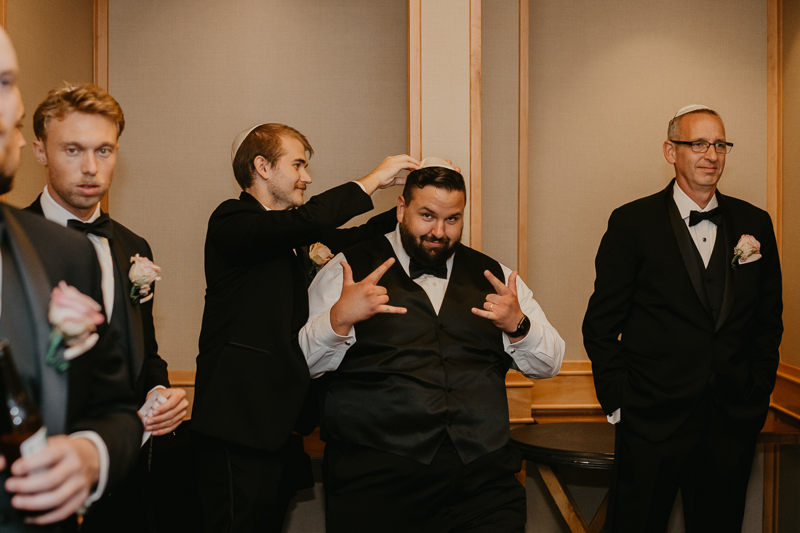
x=319 y=255
x=142 y=274
x=74 y=317
x=748 y=250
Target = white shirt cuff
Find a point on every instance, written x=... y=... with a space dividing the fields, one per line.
x=361 y=185
x=531 y=355
x=155 y=388
x=102 y=452
x=329 y=348
x=615 y=417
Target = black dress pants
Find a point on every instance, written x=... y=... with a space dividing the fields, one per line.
x=709 y=459
x=242 y=489
x=368 y=490
x=128 y=508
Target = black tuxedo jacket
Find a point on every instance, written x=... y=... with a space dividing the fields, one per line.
x=649 y=331
x=251 y=374
x=147 y=369
x=93 y=394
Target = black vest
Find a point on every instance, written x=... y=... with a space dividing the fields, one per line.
x=412 y=379
x=713 y=275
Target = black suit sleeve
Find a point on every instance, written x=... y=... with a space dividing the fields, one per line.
x=616 y=268
x=244 y=232
x=767 y=327
x=107 y=405
x=154 y=367
x=341 y=239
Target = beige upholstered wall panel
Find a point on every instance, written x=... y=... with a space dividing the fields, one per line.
x=605 y=78
x=54 y=44
x=445 y=84
x=500 y=40
x=190 y=75
x=790 y=349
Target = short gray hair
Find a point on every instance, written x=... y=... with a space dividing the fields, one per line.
x=675 y=123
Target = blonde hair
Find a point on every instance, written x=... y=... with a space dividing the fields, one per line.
x=85 y=98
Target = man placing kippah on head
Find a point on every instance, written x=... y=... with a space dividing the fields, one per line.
x=683 y=331
x=415 y=414
x=251 y=375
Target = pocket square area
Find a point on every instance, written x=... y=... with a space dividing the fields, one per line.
x=752 y=259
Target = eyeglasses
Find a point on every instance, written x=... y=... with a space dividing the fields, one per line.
x=702 y=146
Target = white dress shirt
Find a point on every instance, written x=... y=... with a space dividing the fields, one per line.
x=537 y=355
x=58 y=214
x=704 y=235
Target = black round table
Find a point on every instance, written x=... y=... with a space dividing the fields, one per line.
x=587 y=445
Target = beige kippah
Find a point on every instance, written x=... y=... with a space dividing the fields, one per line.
x=689 y=109
x=435 y=162
x=239 y=139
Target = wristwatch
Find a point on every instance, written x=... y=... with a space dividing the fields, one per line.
x=523 y=328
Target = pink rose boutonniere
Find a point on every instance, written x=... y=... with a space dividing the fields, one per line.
x=319 y=255
x=74 y=317
x=748 y=250
x=142 y=274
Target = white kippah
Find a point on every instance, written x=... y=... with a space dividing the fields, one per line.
x=435 y=162
x=689 y=109
x=239 y=139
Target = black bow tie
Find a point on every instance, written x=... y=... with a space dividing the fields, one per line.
x=417 y=269
x=715 y=216
x=100 y=227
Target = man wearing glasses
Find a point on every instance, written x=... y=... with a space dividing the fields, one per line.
x=683 y=331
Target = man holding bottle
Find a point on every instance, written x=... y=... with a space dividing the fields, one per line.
x=80 y=385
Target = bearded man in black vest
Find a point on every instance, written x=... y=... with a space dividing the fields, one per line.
x=414 y=409
x=683 y=331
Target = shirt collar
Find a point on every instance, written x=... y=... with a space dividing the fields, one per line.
x=55 y=212
x=687 y=205
x=402 y=256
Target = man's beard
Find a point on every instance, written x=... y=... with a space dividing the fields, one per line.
x=427 y=257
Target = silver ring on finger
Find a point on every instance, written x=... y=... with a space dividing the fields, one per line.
x=491 y=307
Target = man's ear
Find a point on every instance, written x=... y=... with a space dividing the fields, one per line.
x=40 y=152
x=669 y=152
x=262 y=166
x=401 y=207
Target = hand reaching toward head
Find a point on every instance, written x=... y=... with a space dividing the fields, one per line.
x=387 y=173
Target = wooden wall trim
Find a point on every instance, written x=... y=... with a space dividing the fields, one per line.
x=522 y=139
x=101 y=43
x=775 y=115
x=415 y=78
x=786 y=396
x=100 y=60
x=475 y=73
x=569 y=396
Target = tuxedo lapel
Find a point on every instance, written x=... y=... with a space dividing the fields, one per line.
x=687 y=249
x=730 y=274
x=133 y=311
x=37 y=288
